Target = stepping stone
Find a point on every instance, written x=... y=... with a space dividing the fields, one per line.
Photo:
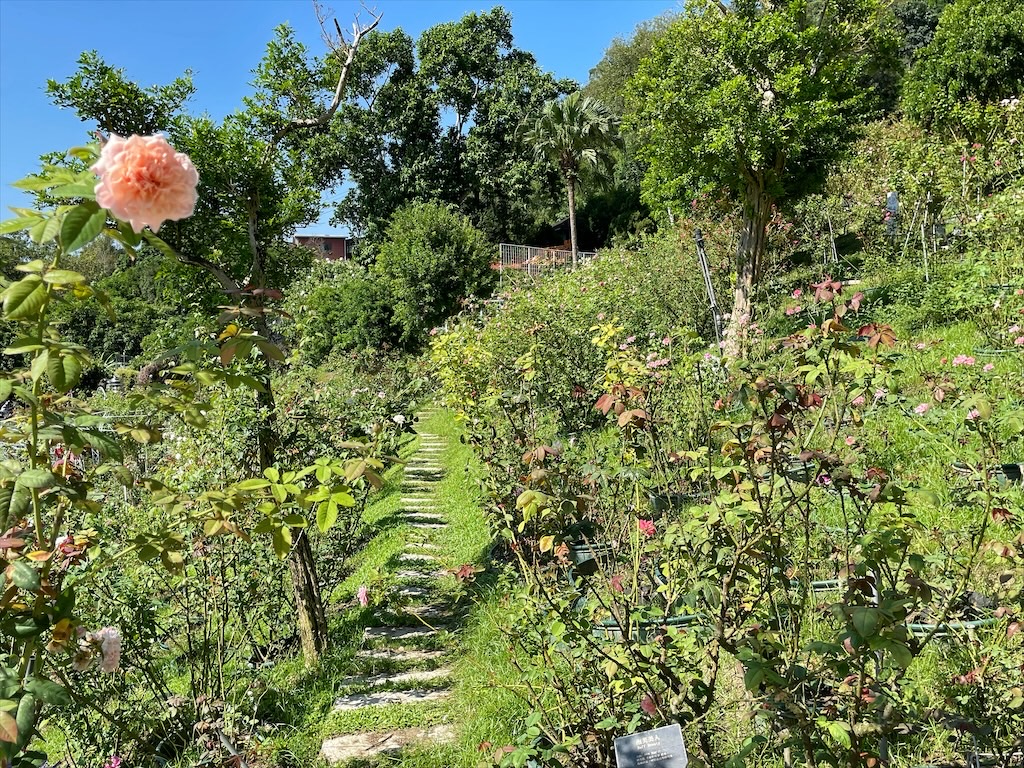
x=384 y=698
x=415 y=593
x=405 y=656
x=429 y=613
x=411 y=574
x=397 y=633
x=402 y=678
x=422 y=545
x=370 y=744
x=423 y=517
x=428 y=526
x=412 y=558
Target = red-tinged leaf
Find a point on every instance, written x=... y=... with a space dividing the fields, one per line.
x=8 y=728
x=605 y=403
x=1012 y=629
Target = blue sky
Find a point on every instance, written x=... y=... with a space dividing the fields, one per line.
x=221 y=41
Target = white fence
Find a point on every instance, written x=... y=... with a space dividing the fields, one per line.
x=535 y=261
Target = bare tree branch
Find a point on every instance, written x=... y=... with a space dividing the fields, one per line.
x=359 y=31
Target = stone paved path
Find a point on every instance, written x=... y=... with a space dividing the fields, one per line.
x=406 y=661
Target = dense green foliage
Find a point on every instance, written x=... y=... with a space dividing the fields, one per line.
x=975 y=59
x=431 y=259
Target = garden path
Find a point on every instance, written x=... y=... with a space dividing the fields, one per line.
x=406 y=660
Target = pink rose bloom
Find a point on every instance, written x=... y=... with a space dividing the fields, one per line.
x=973 y=414
x=858 y=401
x=1019 y=341
x=880 y=393
x=363 y=596
x=922 y=408
x=963 y=360
x=921 y=345
x=666 y=341
x=1019 y=292
x=145 y=182
x=850 y=440
x=797 y=293
x=646 y=527
x=793 y=310
x=988 y=367
x=1014 y=328
x=113 y=762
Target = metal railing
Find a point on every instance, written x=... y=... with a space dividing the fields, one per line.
x=535 y=261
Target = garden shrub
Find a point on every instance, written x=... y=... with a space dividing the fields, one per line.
x=432 y=258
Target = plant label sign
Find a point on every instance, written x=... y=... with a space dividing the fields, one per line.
x=661 y=748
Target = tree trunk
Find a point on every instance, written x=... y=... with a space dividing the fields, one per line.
x=570 y=184
x=309 y=607
x=757 y=205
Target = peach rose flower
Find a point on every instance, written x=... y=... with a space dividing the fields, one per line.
x=145 y=182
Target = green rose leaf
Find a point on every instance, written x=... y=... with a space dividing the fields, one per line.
x=24 y=298
x=81 y=225
x=63 y=277
x=24 y=575
x=18 y=224
x=45 y=230
x=63 y=371
x=37 y=478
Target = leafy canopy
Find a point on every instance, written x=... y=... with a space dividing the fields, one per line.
x=758 y=93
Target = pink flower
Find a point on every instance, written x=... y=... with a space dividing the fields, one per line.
x=113 y=762
x=973 y=414
x=1019 y=341
x=648 y=705
x=797 y=293
x=145 y=182
x=793 y=310
x=600 y=315
x=857 y=401
x=363 y=596
x=963 y=360
x=646 y=527
x=666 y=341
x=719 y=404
x=880 y=393
x=923 y=408
x=920 y=345
x=850 y=440
x=1019 y=292
x=1014 y=328
x=988 y=367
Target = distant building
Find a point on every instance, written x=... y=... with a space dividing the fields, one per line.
x=329 y=247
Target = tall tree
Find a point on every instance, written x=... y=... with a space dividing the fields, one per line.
x=258 y=182
x=577 y=134
x=753 y=98
x=975 y=58
x=436 y=120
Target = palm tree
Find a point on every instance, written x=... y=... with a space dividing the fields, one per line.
x=575 y=133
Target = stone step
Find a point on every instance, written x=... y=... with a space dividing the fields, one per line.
x=433 y=614
x=397 y=633
x=401 y=678
x=416 y=557
x=428 y=526
x=414 y=592
x=414 y=517
x=400 y=655
x=384 y=698
x=411 y=574
x=367 y=745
